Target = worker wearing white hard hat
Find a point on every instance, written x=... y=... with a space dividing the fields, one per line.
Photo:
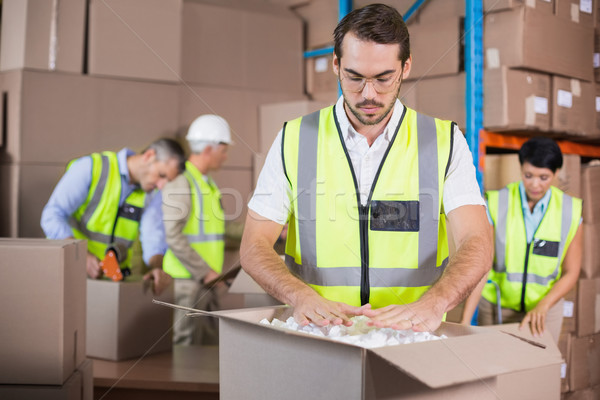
x=195 y=226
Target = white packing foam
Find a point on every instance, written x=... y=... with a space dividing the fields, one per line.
x=359 y=334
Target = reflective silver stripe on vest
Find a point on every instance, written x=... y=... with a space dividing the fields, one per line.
x=307 y=189
x=350 y=276
x=429 y=198
x=500 y=263
x=567 y=214
x=427 y=272
x=201 y=236
x=91 y=208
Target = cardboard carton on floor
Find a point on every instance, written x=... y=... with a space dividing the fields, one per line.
x=45 y=35
x=79 y=386
x=263 y=362
x=588 y=306
x=585 y=362
x=42 y=298
x=122 y=321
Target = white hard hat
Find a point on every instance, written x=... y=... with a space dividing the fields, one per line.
x=209 y=128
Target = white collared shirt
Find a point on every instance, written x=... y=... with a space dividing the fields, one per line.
x=272 y=196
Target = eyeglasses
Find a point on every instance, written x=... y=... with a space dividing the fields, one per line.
x=356 y=84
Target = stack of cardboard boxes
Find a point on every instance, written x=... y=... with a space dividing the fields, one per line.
x=42 y=306
x=80 y=76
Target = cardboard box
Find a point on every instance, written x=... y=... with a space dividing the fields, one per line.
x=564 y=345
x=592 y=393
x=568 y=177
x=590 y=264
x=500 y=170
x=572 y=106
x=138 y=39
x=45 y=35
x=437 y=48
x=43 y=297
x=585 y=362
x=582 y=12
x=253 y=294
x=590 y=192
x=596 y=128
x=516 y=100
x=442 y=97
x=569 y=325
x=84 y=114
x=545 y=6
x=270 y=360
x=588 y=307
x=320 y=79
x=235 y=185
x=249 y=55
x=437 y=10
x=122 y=321
x=79 y=386
x=320 y=18
x=596 y=60
x=528 y=38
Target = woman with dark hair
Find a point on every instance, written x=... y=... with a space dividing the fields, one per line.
x=538 y=243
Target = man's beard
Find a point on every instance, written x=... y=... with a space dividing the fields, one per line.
x=368 y=122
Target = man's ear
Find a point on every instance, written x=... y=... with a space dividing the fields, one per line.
x=149 y=155
x=407 y=66
x=336 y=65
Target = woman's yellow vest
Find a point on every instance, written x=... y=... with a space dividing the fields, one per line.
x=387 y=252
x=525 y=272
x=100 y=219
x=205 y=227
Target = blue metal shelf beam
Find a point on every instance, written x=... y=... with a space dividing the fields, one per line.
x=474 y=77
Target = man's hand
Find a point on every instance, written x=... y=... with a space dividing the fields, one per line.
x=423 y=315
x=92 y=266
x=161 y=280
x=322 y=312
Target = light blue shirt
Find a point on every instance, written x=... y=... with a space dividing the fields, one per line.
x=72 y=190
x=532 y=218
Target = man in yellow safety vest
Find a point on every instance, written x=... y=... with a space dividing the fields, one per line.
x=366 y=186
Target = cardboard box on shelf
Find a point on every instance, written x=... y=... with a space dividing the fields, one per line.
x=436 y=48
x=320 y=78
x=569 y=325
x=516 y=100
x=470 y=360
x=585 y=362
x=528 y=38
x=596 y=125
x=43 y=297
x=442 y=97
x=235 y=185
x=253 y=294
x=83 y=113
x=43 y=35
x=239 y=58
x=568 y=177
x=588 y=307
x=590 y=264
x=138 y=39
x=500 y=170
x=545 y=6
x=436 y=10
x=122 y=321
x=592 y=393
x=320 y=19
x=596 y=59
x=582 y=12
x=572 y=104
x=590 y=192
x=564 y=345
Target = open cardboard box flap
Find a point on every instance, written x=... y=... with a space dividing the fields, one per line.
x=468 y=354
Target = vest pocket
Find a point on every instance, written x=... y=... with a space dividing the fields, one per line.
x=545 y=248
x=400 y=216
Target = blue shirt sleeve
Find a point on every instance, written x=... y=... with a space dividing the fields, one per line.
x=68 y=195
x=152 y=231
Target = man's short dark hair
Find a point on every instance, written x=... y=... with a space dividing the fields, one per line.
x=541 y=152
x=167 y=149
x=377 y=23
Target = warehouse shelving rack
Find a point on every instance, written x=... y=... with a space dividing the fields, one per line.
x=478 y=139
